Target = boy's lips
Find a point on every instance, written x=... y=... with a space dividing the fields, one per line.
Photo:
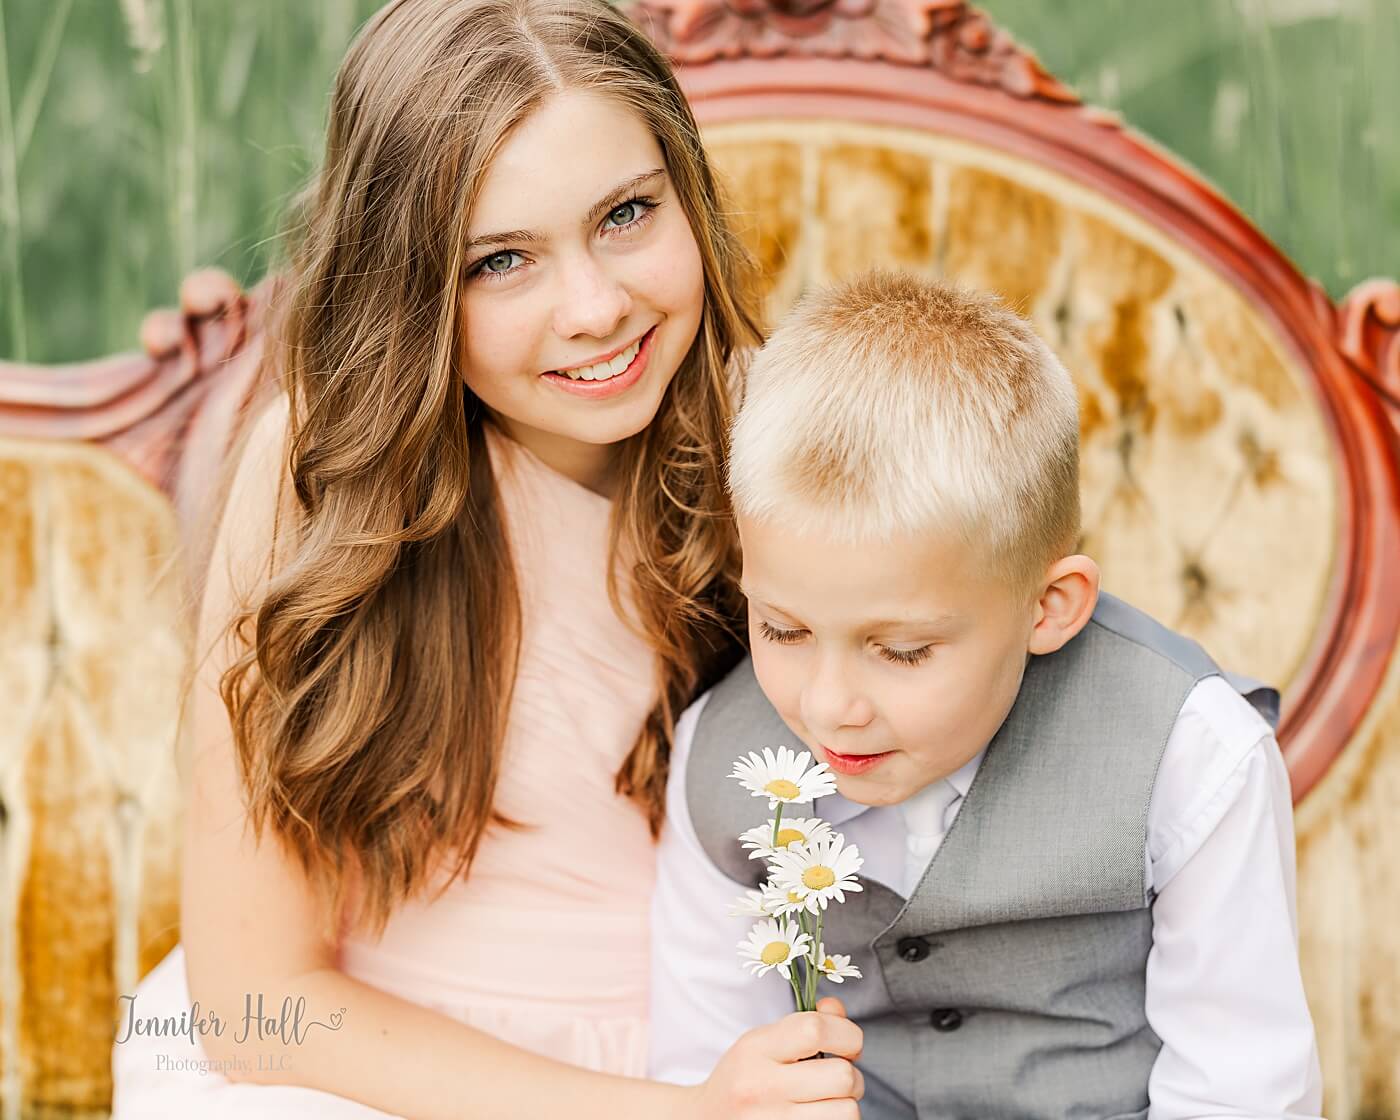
x=853 y=763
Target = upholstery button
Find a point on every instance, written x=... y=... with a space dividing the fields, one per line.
x=946 y=1019
x=912 y=949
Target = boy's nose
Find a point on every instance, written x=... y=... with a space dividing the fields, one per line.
x=830 y=703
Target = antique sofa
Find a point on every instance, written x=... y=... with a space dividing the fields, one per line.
x=1241 y=480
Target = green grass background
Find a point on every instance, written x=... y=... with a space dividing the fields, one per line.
x=140 y=138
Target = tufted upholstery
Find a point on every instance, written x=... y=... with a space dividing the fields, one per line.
x=1203 y=449
x=92 y=655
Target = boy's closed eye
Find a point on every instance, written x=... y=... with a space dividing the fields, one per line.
x=893 y=654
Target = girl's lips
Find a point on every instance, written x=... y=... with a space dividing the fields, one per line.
x=598 y=390
x=854 y=763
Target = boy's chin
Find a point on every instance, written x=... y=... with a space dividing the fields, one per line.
x=867 y=789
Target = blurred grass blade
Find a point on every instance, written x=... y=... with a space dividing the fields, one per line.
x=9 y=204
x=186 y=152
x=38 y=84
x=144 y=30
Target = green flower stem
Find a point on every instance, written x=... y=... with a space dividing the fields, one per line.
x=796 y=994
x=776 y=822
x=804 y=921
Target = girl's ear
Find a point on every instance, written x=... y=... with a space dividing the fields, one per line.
x=1065 y=604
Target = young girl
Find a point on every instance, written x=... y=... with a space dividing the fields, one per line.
x=477 y=557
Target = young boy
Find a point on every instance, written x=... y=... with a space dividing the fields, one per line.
x=1077 y=832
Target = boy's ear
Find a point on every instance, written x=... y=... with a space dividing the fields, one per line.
x=1065 y=604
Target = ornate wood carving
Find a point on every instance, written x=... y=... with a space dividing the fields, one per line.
x=171 y=419
x=946 y=35
x=1368 y=334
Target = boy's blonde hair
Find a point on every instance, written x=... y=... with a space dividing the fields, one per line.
x=892 y=404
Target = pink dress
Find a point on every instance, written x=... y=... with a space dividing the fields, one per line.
x=545 y=944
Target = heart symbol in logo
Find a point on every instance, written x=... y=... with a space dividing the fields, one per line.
x=336 y=1019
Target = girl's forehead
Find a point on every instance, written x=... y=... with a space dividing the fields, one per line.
x=561 y=160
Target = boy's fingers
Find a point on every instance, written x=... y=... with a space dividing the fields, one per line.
x=830 y=1005
x=823 y=1079
x=208 y=291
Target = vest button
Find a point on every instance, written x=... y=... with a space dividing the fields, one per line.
x=912 y=949
x=946 y=1019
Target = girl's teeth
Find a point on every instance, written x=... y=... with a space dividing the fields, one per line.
x=604 y=370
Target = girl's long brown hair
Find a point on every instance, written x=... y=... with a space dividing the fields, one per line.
x=370 y=694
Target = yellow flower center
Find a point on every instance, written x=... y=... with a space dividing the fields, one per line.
x=829 y=965
x=818 y=878
x=775 y=952
x=781 y=787
x=794 y=897
x=788 y=836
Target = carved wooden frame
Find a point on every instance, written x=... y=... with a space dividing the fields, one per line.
x=941 y=66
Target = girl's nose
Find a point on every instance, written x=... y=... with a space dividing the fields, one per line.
x=591 y=302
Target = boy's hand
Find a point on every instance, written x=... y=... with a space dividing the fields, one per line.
x=763 y=1077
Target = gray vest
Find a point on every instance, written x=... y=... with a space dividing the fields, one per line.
x=1011 y=983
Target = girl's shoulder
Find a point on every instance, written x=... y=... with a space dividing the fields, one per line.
x=259 y=503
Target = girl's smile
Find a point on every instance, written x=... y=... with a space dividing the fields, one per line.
x=606 y=376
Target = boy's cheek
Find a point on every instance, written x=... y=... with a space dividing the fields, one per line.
x=779 y=682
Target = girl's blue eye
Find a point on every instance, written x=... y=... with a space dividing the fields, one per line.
x=498 y=263
x=629 y=213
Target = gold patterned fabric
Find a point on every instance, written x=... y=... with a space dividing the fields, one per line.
x=92 y=654
x=1204 y=449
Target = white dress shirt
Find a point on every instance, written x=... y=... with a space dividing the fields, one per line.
x=1224 y=992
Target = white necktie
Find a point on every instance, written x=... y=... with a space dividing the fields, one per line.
x=926 y=819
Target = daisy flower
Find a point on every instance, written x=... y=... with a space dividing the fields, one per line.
x=784 y=777
x=836 y=967
x=750 y=905
x=799 y=830
x=772 y=945
x=782 y=902
x=819 y=872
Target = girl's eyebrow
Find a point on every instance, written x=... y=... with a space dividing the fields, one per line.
x=601 y=207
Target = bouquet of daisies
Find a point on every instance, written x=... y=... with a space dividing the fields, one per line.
x=809 y=866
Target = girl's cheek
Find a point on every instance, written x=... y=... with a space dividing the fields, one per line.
x=673 y=271
x=494 y=333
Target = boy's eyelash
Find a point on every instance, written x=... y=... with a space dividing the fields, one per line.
x=773 y=634
x=646 y=205
x=906 y=656
x=895 y=656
